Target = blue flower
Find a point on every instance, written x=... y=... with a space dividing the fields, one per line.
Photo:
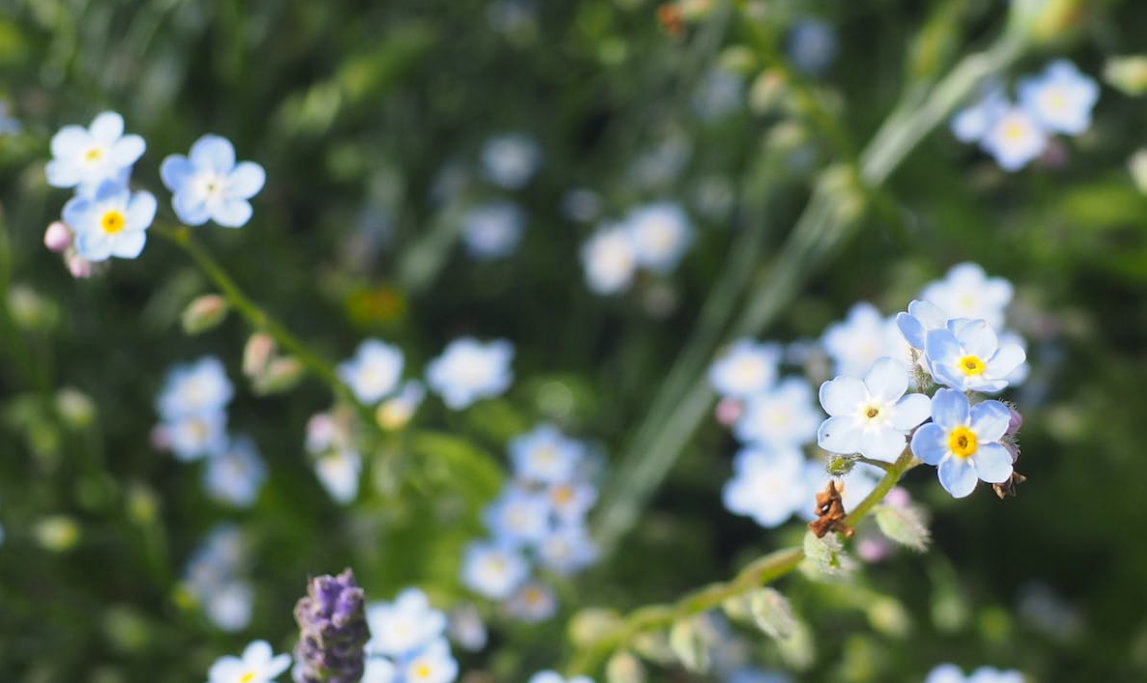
x=493 y=230
x=404 y=626
x=767 y=485
x=783 y=416
x=872 y=417
x=110 y=222
x=493 y=570
x=518 y=516
x=9 y=125
x=967 y=292
x=259 y=664
x=661 y=235
x=374 y=372
x=432 y=664
x=1015 y=139
x=236 y=474
x=197 y=435
x=545 y=455
x=554 y=677
x=567 y=549
x=966 y=355
x=865 y=335
x=469 y=370
x=533 y=602
x=510 y=161
x=87 y=157
x=1061 y=98
x=922 y=316
x=209 y=185
x=195 y=388
x=609 y=257
x=812 y=46
x=746 y=368
x=963 y=442
x=973 y=123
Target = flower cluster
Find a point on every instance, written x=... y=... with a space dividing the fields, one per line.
x=539 y=515
x=654 y=236
x=106 y=218
x=469 y=370
x=407 y=644
x=950 y=673
x=1059 y=100
x=193 y=425
x=215 y=579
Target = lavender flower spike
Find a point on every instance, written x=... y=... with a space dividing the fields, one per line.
x=332 y=631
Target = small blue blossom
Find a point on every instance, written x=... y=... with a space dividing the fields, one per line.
x=922 y=317
x=339 y=472
x=196 y=436
x=209 y=185
x=554 y=677
x=967 y=292
x=567 y=549
x=963 y=442
x=466 y=628
x=950 y=673
x=534 y=602
x=610 y=259
x=374 y=372
x=469 y=370
x=195 y=388
x=766 y=485
x=213 y=579
x=871 y=417
x=88 y=157
x=404 y=626
x=720 y=93
x=782 y=416
x=1061 y=98
x=9 y=125
x=570 y=501
x=492 y=570
x=112 y=221
x=259 y=664
x=1015 y=139
x=745 y=369
x=509 y=161
x=865 y=335
x=966 y=355
x=518 y=516
x=545 y=455
x=433 y=663
x=236 y=474
x=395 y=412
x=812 y=46
x=493 y=230
x=661 y=234
x=973 y=123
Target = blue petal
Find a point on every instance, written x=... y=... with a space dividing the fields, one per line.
x=912 y=329
x=245 y=181
x=232 y=213
x=839 y=435
x=69 y=141
x=190 y=209
x=990 y=421
x=978 y=339
x=957 y=476
x=63 y=173
x=176 y=171
x=127 y=151
x=949 y=409
x=214 y=153
x=930 y=443
x=128 y=244
x=993 y=463
x=942 y=347
x=74 y=212
x=93 y=245
x=107 y=127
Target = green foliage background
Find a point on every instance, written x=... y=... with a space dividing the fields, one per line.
x=355 y=109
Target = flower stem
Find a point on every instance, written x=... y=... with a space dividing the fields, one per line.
x=260 y=319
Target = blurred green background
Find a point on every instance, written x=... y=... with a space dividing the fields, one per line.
x=361 y=114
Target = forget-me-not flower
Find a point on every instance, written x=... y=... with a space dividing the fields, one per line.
x=950 y=673
x=89 y=156
x=967 y=292
x=661 y=234
x=469 y=370
x=871 y=416
x=493 y=230
x=209 y=185
x=963 y=442
x=767 y=485
x=403 y=626
x=1061 y=98
x=746 y=368
x=972 y=123
x=967 y=355
x=782 y=416
x=545 y=455
x=195 y=388
x=865 y=335
x=195 y=436
x=554 y=677
x=374 y=371
x=510 y=161
x=1015 y=139
x=111 y=221
x=567 y=549
x=518 y=516
x=533 y=602
x=812 y=46
x=259 y=664
x=9 y=125
x=432 y=664
x=235 y=474
x=493 y=570
x=338 y=472
x=610 y=259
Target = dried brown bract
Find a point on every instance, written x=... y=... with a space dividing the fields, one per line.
x=830 y=512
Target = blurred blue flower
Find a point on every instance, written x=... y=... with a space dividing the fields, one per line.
x=9 y=125
x=469 y=370
x=1061 y=98
x=661 y=235
x=374 y=372
x=195 y=388
x=509 y=161
x=609 y=257
x=784 y=415
x=492 y=570
x=967 y=292
x=338 y=472
x=567 y=549
x=720 y=93
x=752 y=675
x=518 y=516
x=1015 y=139
x=767 y=485
x=972 y=123
x=950 y=673
x=554 y=677
x=466 y=627
x=88 y=157
x=493 y=230
x=209 y=185
x=812 y=46
x=213 y=579
x=195 y=436
x=921 y=317
x=746 y=368
x=534 y=602
x=404 y=626
x=544 y=454
x=967 y=355
x=111 y=221
x=433 y=663
x=865 y=335
x=236 y=474
x=259 y=664
x=872 y=416
x=962 y=442
x=570 y=501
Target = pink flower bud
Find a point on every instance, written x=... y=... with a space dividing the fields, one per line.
x=80 y=267
x=57 y=237
x=728 y=411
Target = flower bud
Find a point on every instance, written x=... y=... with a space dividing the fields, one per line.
x=78 y=266
x=204 y=313
x=1137 y=164
x=332 y=631
x=1127 y=74
x=257 y=353
x=75 y=407
x=623 y=667
x=57 y=533
x=281 y=375
x=690 y=646
x=905 y=525
x=1045 y=21
x=57 y=237
x=772 y=613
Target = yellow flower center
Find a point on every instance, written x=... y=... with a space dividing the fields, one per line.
x=962 y=442
x=971 y=365
x=871 y=412
x=1014 y=131
x=112 y=222
x=422 y=671
x=93 y=154
x=247 y=677
x=562 y=495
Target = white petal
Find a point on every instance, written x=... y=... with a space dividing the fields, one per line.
x=887 y=380
x=232 y=213
x=910 y=411
x=843 y=395
x=107 y=127
x=245 y=181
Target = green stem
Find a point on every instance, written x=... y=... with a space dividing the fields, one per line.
x=760 y=572
x=259 y=319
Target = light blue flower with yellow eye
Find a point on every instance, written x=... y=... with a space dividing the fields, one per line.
x=567 y=549
x=198 y=435
x=510 y=161
x=745 y=369
x=661 y=234
x=973 y=123
x=236 y=474
x=469 y=370
x=967 y=355
x=432 y=664
x=195 y=388
x=493 y=230
x=546 y=455
x=1061 y=98
x=963 y=442
x=404 y=626
x=209 y=185
x=534 y=602
x=782 y=416
x=493 y=570
x=518 y=516
x=872 y=416
x=89 y=156
x=374 y=372
x=110 y=222
x=767 y=485
x=1015 y=139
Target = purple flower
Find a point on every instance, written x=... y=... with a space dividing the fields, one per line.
x=332 y=631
